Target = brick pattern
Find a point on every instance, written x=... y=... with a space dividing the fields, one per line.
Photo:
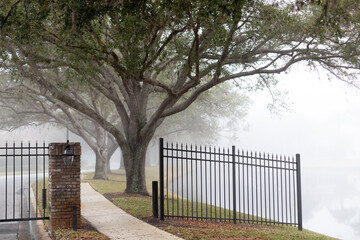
x=64 y=187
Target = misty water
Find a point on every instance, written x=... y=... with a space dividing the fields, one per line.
x=331 y=200
x=330 y=197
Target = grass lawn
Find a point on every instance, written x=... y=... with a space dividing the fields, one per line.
x=141 y=207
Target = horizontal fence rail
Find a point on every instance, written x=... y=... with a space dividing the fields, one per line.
x=20 y=167
x=227 y=184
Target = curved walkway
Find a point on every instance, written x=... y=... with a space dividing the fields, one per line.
x=113 y=221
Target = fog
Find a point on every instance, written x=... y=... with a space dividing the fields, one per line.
x=322 y=124
x=49 y=133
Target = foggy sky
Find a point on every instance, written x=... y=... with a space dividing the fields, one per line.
x=323 y=125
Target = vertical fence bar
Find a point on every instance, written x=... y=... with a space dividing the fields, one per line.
x=243 y=185
x=172 y=178
x=273 y=188
x=192 y=182
x=29 y=150
x=294 y=188
x=206 y=191
x=187 y=181
x=299 y=192
x=21 y=179
x=252 y=186
x=210 y=172
x=224 y=164
x=234 y=184
x=201 y=183
x=219 y=152
x=182 y=181
x=177 y=178
x=247 y=187
x=44 y=189
x=265 y=186
x=261 y=201
x=268 y=183
x=196 y=180
x=161 y=178
x=277 y=190
x=286 y=191
x=256 y=187
x=229 y=181
x=167 y=179
x=6 y=175
x=282 y=194
x=289 y=175
x=239 y=185
x=14 y=179
x=291 y=223
x=215 y=178
x=36 y=179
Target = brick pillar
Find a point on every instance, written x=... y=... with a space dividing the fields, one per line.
x=64 y=187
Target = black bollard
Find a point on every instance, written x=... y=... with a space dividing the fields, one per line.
x=155 y=199
x=75 y=225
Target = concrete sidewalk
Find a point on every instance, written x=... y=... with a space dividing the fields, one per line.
x=113 y=221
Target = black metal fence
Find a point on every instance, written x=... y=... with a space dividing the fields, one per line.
x=228 y=184
x=20 y=167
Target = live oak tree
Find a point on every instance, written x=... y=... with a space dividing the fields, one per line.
x=22 y=104
x=136 y=51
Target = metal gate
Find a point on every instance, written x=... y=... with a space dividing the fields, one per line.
x=23 y=170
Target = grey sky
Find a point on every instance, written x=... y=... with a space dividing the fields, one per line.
x=323 y=125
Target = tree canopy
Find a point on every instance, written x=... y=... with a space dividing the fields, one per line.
x=131 y=52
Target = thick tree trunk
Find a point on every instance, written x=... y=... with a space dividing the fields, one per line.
x=108 y=170
x=100 y=167
x=135 y=169
x=112 y=146
x=122 y=165
x=101 y=152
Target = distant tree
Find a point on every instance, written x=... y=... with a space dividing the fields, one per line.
x=22 y=105
x=133 y=51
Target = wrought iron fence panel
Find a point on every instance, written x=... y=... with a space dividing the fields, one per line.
x=229 y=184
x=20 y=167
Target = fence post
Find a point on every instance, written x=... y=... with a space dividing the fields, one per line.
x=234 y=184
x=155 y=199
x=64 y=187
x=298 y=176
x=161 y=149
